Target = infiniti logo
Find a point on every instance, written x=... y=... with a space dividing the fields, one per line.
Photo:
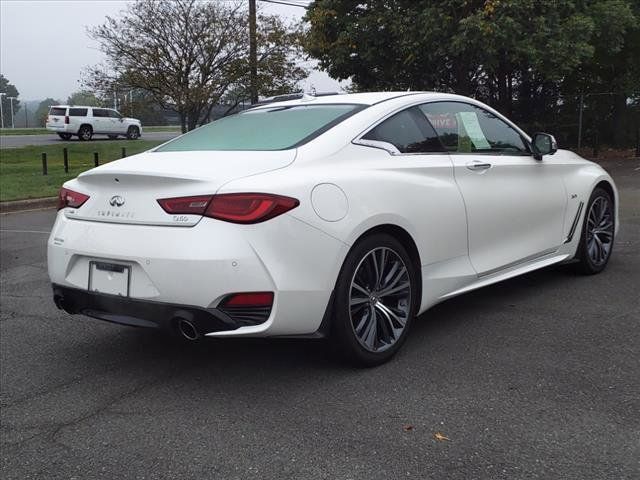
x=116 y=201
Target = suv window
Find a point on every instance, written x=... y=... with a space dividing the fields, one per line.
x=57 y=111
x=100 y=112
x=465 y=128
x=114 y=114
x=408 y=131
x=77 y=112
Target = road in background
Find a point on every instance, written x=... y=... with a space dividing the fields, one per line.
x=13 y=141
x=534 y=377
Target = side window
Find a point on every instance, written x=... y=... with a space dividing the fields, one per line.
x=100 y=112
x=113 y=114
x=465 y=128
x=408 y=131
x=77 y=112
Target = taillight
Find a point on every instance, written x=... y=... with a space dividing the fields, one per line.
x=69 y=198
x=186 y=205
x=232 y=207
x=66 y=120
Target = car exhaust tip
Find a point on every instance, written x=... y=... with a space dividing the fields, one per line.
x=188 y=330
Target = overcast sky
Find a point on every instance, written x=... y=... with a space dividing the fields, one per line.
x=44 y=46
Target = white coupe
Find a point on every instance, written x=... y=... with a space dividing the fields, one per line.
x=339 y=216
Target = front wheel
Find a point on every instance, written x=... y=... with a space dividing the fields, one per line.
x=596 y=240
x=133 y=133
x=376 y=299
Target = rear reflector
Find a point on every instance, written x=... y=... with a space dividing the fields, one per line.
x=69 y=198
x=249 y=299
x=231 y=207
x=66 y=120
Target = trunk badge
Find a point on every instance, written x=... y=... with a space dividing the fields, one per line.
x=116 y=201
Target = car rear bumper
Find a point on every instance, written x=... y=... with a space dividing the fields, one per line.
x=196 y=268
x=140 y=313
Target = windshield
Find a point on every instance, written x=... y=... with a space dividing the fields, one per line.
x=276 y=128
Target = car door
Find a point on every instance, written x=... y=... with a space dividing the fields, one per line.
x=101 y=121
x=116 y=124
x=515 y=204
x=426 y=194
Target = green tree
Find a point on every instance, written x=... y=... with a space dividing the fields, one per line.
x=43 y=110
x=522 y=56
x=10 y=91
x=188 y=54
x=84 y=97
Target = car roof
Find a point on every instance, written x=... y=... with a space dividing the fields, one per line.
x=79 y=106
x=365 y=98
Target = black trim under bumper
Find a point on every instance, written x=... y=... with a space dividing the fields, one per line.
x=140 y=313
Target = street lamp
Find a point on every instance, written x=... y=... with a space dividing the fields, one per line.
x=11 y=99
x=1 y=113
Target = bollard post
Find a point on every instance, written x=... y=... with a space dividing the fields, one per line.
x=124 y=152
x=65 y=159
x=44 y=163
x=96 y=162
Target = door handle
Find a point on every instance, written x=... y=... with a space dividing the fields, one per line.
x=478 y=166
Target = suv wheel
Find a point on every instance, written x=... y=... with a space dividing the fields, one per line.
x=133 y=133
x=85 y=133
x=65 y=136
x=376 y=299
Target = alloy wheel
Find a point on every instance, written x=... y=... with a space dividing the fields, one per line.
x=380 y=299
x=599 y=230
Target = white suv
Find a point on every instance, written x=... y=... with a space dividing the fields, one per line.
x=84 y=122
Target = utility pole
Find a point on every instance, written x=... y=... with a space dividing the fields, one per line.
x=1 y=112
x=11 y=99
x=26 y=116
x=253 y=53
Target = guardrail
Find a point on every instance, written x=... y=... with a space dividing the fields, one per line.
x=65 y=159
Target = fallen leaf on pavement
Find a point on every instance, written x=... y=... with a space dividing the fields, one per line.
x=441 y=437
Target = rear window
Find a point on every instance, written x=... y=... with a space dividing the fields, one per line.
x=57 y=111
x=77 y=112
x=277 y=128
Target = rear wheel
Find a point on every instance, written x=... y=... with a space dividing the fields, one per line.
x=65 y=136
x=85 y=133
x=375 y=301
x=133 y=133
x=596 y=240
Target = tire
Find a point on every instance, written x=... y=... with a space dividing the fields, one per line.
x=597 y=236
x=113 y=137
x=371 y=331
x=85 y=133
x=133 y=133
x=65 y=136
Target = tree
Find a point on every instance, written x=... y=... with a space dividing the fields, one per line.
x=523 y=56
x=84 y=97
x=10 y=91
x=43 y=110
x=188 y=54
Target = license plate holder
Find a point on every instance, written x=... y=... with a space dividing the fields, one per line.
x=110 y=278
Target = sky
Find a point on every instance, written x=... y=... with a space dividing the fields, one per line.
x=44 y=46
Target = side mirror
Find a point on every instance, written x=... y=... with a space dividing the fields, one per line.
x=121 y=119
x=543 y=144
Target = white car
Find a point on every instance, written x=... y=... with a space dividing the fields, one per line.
x=67 y=120
x=339 y=216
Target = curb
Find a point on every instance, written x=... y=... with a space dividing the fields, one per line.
x=30 y=204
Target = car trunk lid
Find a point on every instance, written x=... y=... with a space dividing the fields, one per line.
x=128 y=190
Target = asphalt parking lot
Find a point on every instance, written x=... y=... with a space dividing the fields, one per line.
x=15 y=141
x=536 y=377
